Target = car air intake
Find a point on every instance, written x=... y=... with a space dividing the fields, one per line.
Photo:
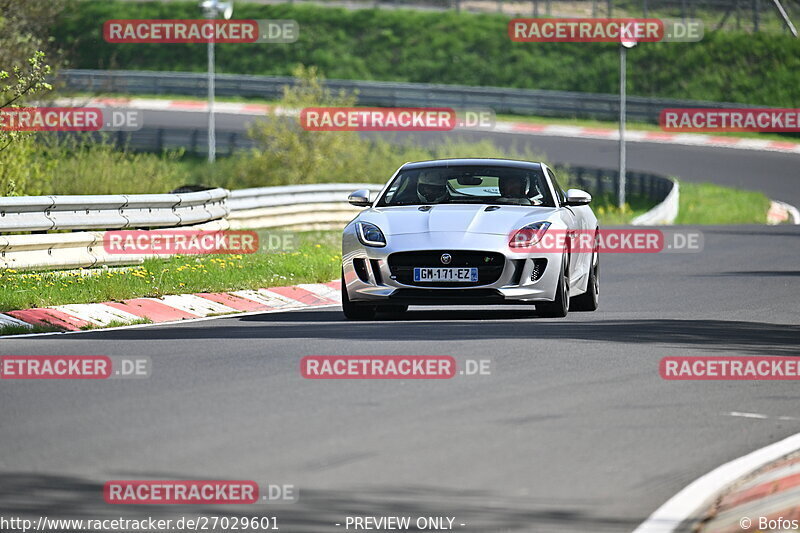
x=376 y=271
x=360 y=266
x=538 y=269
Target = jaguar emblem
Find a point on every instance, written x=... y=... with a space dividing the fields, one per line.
x=446 y=258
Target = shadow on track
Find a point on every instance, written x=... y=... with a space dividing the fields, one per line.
x=68 y=497
x=757 y=338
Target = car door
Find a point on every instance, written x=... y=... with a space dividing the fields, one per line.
x=576 y=222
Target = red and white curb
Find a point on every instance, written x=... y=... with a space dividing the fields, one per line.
x=172 y=308
x=520 y=128
x=768 y=500
x=690 y=506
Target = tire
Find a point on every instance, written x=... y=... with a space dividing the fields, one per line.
x=353 y=311
x=589 y=300
x=559 y=307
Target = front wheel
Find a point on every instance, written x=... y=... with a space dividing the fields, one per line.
x=353 y=311
x=559 y=307
x=590 y=300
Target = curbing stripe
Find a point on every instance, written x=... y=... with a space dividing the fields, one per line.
x=232 y=300
x=7 y=320
x=196 y=305
x=98 y=314
x=43 y=316
x=267 y=302
x=151 y=309
x=279 y=301
x=685 y=506
x=302 y=295
x=762 y=490
x=777 y=471
x=177 y=307
x=332 y=294
x=774 y=506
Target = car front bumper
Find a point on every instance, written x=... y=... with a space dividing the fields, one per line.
x=370 y=279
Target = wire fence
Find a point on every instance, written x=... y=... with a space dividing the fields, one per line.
x=387 y=94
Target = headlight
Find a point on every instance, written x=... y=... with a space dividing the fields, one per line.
x=370 y=234
x=529 y=235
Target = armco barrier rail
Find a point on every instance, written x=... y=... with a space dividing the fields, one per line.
x=385 y=94
x=322 y=206
x=296 y=206
x=116 y=211
x=196 y=210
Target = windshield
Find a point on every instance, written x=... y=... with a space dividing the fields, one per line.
x=468 y=185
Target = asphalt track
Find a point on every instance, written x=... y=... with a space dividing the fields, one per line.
x=574 y=431
x=775 y=174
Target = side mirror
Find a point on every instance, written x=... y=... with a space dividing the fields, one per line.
x=578 y=197
x=359 y=198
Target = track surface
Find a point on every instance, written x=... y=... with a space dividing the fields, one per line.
x=775 y=174
x=574 y=431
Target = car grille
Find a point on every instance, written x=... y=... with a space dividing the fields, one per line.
x=489 y=264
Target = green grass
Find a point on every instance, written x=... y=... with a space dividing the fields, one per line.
x=317 y=258
x=117 y=324
x=22 y=330
x=608 y=214
x=706 y=203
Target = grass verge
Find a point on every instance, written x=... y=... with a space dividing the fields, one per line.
x=706 y=203
x=316 y=259
x=22 y=330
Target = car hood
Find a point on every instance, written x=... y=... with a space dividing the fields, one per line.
x=463 y=218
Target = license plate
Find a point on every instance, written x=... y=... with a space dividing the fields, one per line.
x=445 y=274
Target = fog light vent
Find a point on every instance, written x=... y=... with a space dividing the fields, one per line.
x=360 y=266
x=538 y=269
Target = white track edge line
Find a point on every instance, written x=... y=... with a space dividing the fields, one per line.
x=681 y=507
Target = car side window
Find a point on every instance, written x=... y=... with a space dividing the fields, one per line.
x=562 y=196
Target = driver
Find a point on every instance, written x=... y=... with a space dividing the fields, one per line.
x=431 y=188
x=513 y=187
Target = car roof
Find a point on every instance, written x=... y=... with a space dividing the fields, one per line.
x=512 y=163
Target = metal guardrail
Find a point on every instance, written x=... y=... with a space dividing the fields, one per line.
x=386 y=94
x=72 y=250
x=196 y=210
x=117 y=211
x=322 y=206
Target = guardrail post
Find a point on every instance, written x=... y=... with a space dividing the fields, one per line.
x=232 y=142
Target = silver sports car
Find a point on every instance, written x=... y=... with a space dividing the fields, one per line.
x=470 y=232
